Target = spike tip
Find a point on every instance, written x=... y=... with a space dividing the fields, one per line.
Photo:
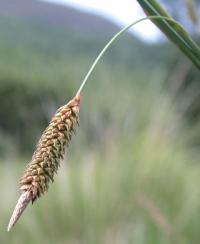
x=22 y=203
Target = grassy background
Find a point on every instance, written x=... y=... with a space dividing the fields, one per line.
x=131 y=173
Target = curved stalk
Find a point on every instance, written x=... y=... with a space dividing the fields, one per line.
x=116 y=37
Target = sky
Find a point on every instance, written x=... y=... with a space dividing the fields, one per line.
x=121 y=12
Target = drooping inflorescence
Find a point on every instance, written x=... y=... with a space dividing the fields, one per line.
x=46 y=158
x=51 y=147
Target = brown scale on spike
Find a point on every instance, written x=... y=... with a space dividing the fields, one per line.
x=46 y=158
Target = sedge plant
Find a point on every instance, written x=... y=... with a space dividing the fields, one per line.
x=51 y=147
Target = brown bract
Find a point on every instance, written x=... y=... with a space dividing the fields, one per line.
x=46 y=158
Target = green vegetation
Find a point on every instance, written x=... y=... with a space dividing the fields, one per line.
x=131 y=174
x=138 y=184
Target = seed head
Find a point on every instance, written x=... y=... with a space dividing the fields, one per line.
x=46 y=158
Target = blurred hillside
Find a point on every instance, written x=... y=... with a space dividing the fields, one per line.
x=52 y=15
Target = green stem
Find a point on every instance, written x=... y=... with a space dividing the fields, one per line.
x=113 y=39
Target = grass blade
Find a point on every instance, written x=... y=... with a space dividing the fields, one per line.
x=176 y=33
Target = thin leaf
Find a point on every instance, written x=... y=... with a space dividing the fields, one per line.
x=176 y=33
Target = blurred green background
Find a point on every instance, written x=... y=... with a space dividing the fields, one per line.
x=131 y=173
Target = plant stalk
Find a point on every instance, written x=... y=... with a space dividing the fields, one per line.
x=168 y=19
